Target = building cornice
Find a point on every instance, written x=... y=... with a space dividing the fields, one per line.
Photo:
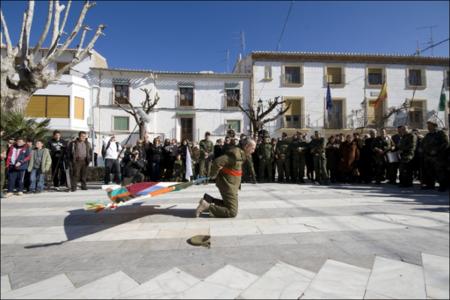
x=171 y=74
x=351 y=58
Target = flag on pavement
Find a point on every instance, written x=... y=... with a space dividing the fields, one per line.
x=442 y=99
x=382 y=96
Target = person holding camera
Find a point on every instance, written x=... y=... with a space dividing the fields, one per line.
x=57 y=147
x=134 y=169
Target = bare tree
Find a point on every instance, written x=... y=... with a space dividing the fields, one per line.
x=258 y=117
x=147 y=106
x=25 y=69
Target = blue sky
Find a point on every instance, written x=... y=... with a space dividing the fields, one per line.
x=194 y=36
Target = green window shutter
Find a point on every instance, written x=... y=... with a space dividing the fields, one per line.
x=121 y=123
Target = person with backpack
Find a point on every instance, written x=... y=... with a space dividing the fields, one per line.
x=110 y=152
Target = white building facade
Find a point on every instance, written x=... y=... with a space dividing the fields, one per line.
x=189 y=103
x=355 y=83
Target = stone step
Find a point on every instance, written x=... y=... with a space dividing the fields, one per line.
x=337 y=280
x=436 y=269
x=6 y=286
x=167 y=285
x=395 y=279
x=282 y=281
x=45 y=289
x=226 y=283
x=106 y=287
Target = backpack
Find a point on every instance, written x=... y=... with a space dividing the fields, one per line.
x=106 y=148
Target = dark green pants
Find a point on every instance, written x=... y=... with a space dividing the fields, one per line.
x=320 y=168
x=227 y=207
x=298 y=169
x=265 y=167
x=283 y=170
x=205 y=167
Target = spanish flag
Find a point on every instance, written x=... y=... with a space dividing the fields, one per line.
x=382 y=96
x=442 y=99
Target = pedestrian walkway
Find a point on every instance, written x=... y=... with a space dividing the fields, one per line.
x=288 y=241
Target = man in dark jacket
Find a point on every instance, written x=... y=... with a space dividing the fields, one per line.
x=79 y=154
x=57 y=147
x=134 y=168
x=407 y=147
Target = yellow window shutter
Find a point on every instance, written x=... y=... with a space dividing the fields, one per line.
x=36 y=107
x=58 y=107
x=79 y=108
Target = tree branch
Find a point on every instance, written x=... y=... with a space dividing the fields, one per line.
x=58 y=9
x=83 y=35
x=123 y=107
x=79 y=57
x=242 y=108
x=28 y=22
x=69 y=4
x=46 y=28
x=22 y=30
x=87 y=5
x=7 y=37
x=272 y=106
x=280 y=113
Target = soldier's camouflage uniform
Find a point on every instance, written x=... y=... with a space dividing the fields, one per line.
x=297 y=150
x=206 y=156
x=282 y=160
x=317 y=146
x=407 y=147
x=265 y=156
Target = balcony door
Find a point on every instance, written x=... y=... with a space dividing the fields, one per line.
x=187 y=127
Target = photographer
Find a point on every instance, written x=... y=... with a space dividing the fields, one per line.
x=133 y=171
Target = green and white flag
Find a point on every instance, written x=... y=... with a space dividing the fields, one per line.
x=442 y=99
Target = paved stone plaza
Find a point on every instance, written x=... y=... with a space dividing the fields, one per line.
x=288 y=241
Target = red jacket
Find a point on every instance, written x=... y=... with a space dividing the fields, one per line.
x=23 y=156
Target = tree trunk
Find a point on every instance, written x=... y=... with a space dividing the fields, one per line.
x=142 y=130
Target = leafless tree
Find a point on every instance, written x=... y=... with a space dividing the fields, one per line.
x=147 y=106
x=25 y=69
x=258 y=116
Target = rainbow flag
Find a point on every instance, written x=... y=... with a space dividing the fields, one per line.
x=127 y=195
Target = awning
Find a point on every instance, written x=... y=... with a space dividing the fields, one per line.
x=185 y=113
x=232 y=86
x=186 y=84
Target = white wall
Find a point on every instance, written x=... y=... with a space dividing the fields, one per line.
x=314 y=91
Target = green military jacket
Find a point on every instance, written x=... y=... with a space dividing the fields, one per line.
x=381 y=143
x=206 y=147
x=407 y=147
x=265 y=151
x=435 y=143
x=282 y=150
x=231 y=160
x=317 y=146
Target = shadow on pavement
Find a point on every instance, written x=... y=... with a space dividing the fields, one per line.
x=80 y=223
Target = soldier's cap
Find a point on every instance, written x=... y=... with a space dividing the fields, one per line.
x=200 y=240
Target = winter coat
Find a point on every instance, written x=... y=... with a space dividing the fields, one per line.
x=349 y=154
x=23 y=154
x=46 y=162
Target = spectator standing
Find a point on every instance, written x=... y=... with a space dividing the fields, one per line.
x=57 y=147
x=79 y=152
x=155 y=160
x=110 y=152
x=17 y=164
x=407 y=147
x=3 y=150
x=40 y=164
x=349 y=153
x=332 y=154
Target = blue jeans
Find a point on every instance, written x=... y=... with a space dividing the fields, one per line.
x=37 y=179
x=15 y=177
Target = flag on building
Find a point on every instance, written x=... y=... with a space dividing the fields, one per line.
x=188 y=172
x=442 y=99
x=382 y=96
x=329 y=100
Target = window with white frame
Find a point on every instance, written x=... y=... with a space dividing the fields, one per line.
x=233 y=124
x=375 y=76
x=292 y=75
x=268 y=72
x=416 y=77
x=416 y=114
x=121 y=123
x=232 y=94
x=335 y=75
x=186 y=93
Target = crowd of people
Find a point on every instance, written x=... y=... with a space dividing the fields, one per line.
x=353 y=158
